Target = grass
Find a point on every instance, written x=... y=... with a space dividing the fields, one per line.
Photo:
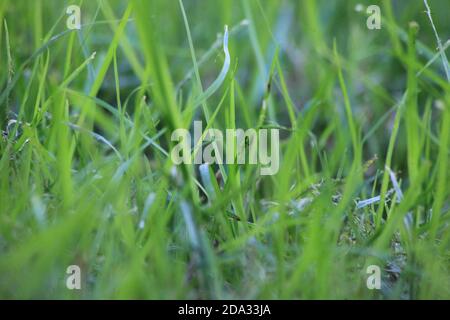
x=86 y=176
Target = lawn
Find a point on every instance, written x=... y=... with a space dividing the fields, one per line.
x=94 y=204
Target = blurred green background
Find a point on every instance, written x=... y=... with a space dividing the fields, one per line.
x=257 y=240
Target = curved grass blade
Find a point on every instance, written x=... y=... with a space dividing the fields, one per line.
x=219 y=80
